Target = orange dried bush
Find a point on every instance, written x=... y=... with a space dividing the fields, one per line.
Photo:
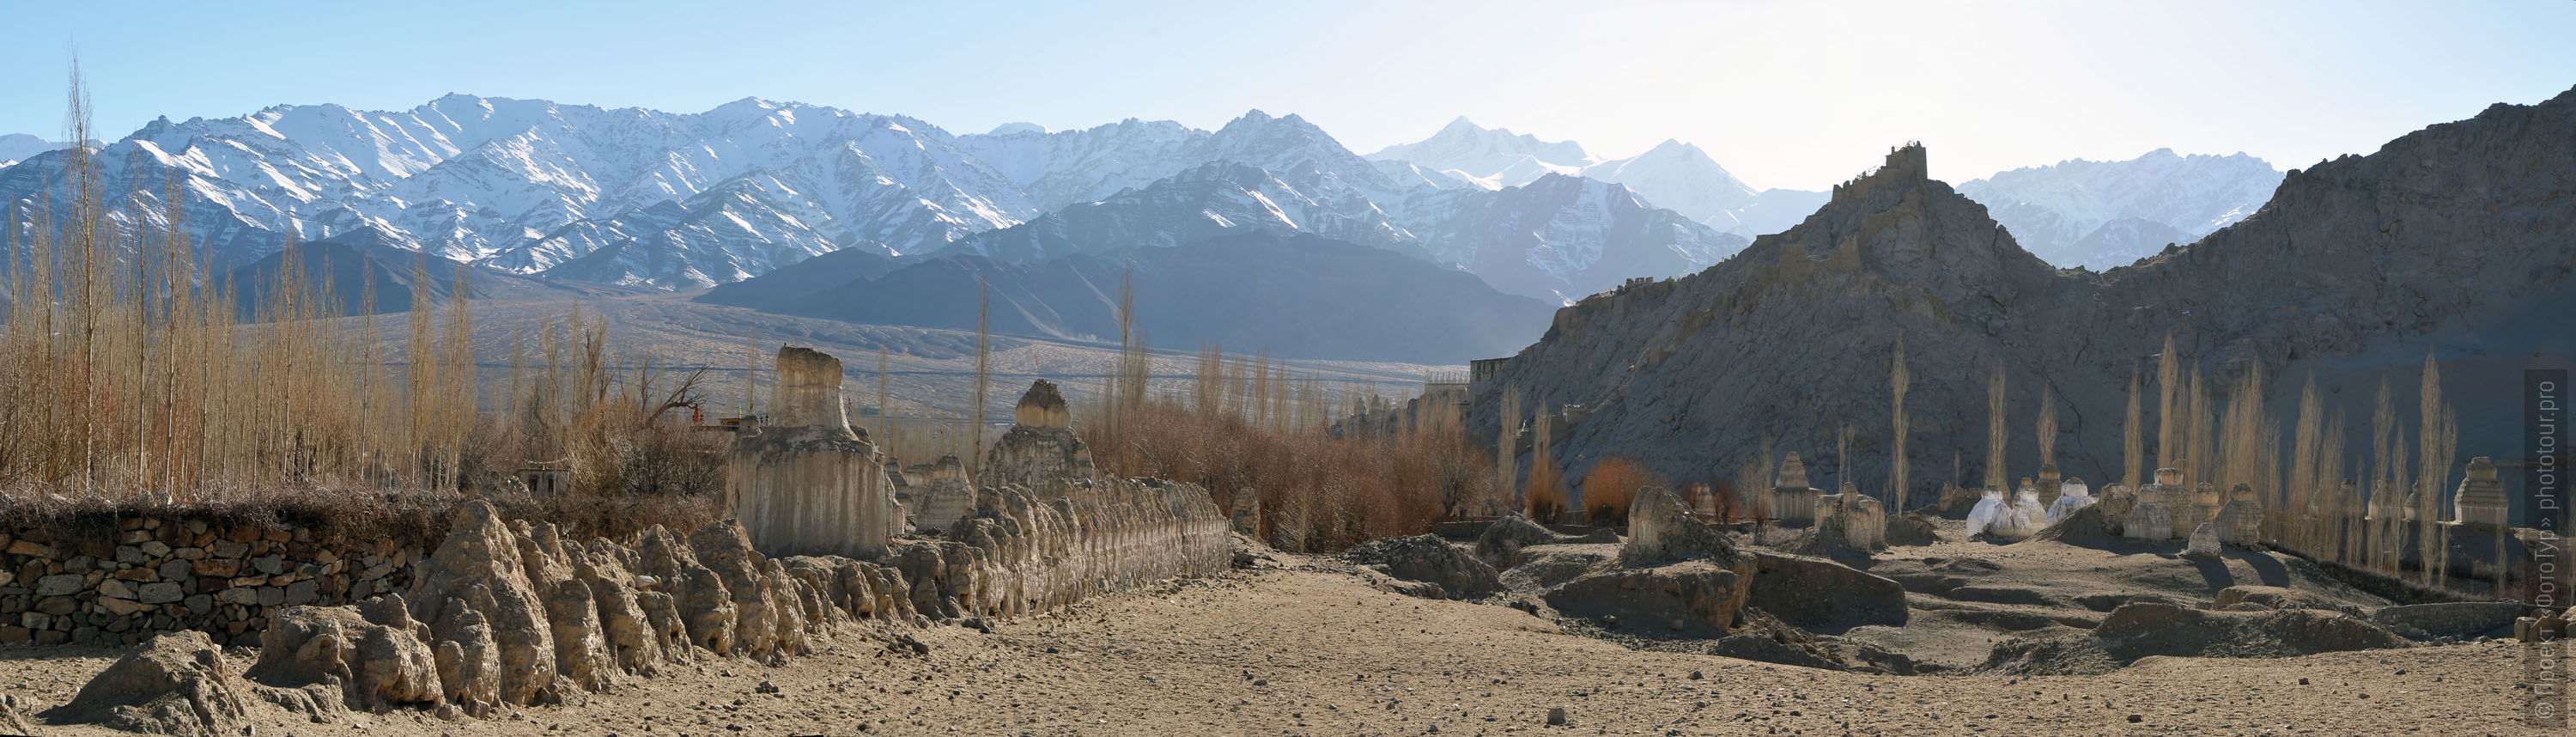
x=1612 y=486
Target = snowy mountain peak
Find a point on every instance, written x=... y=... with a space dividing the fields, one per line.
x=1672 y=152
x=1679 y=176
x=1006 y=129
x=16 y=147
x=1674 y=174
x=1494 y=157
x=1293 y=148
x=748 y=107
x=2102 y=214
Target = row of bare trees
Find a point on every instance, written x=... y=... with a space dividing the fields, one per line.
x=2372 y=508
x=1324 y=472
x=129 y=368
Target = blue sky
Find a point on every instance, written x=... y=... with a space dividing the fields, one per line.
x=1784 y=94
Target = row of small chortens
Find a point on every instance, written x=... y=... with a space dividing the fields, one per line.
x=509 y=613
x=2166 y=509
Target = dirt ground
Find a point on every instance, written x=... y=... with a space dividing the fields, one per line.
x=1315 y=652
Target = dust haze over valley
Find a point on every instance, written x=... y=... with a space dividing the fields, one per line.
x=2120 y=374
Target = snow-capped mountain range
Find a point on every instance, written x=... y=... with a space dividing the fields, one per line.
x=671 y=200
x=2105 y=214
x=1673 y=174
x=687 y=200
x=2095 y=214
x=17 y=147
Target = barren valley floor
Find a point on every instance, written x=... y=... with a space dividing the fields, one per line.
x=1312 y=651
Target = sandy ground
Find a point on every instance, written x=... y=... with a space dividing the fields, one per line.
x=1314 y=652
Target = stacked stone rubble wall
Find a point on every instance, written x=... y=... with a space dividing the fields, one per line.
x=159 y=574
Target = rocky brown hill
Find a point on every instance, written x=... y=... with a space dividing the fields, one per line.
x=2454 y=239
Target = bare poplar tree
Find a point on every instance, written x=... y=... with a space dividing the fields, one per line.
x=983 y=374
x=2169 y=408
x=2307 y=445
x=2133 y=439
x=1506 y=477
x=1899 y=381
x=2047 y=424
x=1996 y=436
x=885 y=410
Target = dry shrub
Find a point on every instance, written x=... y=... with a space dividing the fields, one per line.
x=1730 y=504
x=617 y=518
x=1547 y=493
x=1334 y=491
x=1612 y=486
x=618 y=450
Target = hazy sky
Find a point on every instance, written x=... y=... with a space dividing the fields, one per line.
x=1785 y=94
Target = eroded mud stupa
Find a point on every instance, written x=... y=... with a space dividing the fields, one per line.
x=802 y=481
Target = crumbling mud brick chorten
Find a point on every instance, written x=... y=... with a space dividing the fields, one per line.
x=802 y=481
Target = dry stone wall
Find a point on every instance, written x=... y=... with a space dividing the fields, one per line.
x=160 y=574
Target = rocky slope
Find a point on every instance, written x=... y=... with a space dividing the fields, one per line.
x=2453 y=238
x=346 y=269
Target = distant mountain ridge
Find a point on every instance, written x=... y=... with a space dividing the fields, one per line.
x=1492 y=157
x=2095 y=214
x=1673 y=174
x=643 y=198
x=1250 y=289
x=637 y=197
x=2105 y=214
x=16 y=147
x=527 y=185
